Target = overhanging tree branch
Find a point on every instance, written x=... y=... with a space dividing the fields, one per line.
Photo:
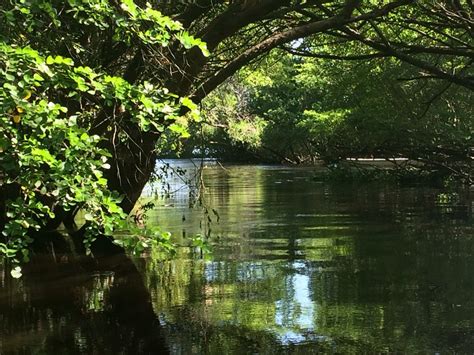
x=390 y=50
x=287 y=36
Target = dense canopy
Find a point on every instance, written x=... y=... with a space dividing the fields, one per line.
x=90 y=88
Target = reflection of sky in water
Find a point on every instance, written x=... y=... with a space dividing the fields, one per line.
x=211 y=271
x=291 y=337
x=297 y=311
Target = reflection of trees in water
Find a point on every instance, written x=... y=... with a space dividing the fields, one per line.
x=65 y=305
x=372 y=269
x=346 y=311
x=385 y=268
x=377 y=287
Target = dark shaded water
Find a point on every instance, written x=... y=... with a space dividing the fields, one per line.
x=298 y=266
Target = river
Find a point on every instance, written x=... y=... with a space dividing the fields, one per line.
x=297 y=266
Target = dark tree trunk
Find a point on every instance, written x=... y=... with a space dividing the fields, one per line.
x=132 y=165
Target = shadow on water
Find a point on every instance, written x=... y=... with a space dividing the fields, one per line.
x=69 y=305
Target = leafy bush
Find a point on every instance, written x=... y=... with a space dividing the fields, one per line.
x=51 y=161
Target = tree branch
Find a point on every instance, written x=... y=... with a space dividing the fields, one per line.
x=389 y=50
x=334 y=56
x=287 y=36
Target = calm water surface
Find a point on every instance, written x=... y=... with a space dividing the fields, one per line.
x=298 y=267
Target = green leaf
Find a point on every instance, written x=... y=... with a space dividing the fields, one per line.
x=38 y=77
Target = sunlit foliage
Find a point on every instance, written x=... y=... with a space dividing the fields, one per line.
x=52 y=162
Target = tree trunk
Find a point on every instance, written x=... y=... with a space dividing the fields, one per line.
x=132 y=165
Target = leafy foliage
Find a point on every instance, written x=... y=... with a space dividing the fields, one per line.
x=51 y=161
x=320 y=109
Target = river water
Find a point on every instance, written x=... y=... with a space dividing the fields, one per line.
x=298 y=266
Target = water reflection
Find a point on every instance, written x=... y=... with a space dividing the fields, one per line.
x=298 y=267
x=69 y=305
x=301 y=267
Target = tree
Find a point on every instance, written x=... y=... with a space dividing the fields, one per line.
x=433 y=36
x=297 y=110
x=238 y=33
x=133 y=43
x=52 y=161
x=125 y=40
